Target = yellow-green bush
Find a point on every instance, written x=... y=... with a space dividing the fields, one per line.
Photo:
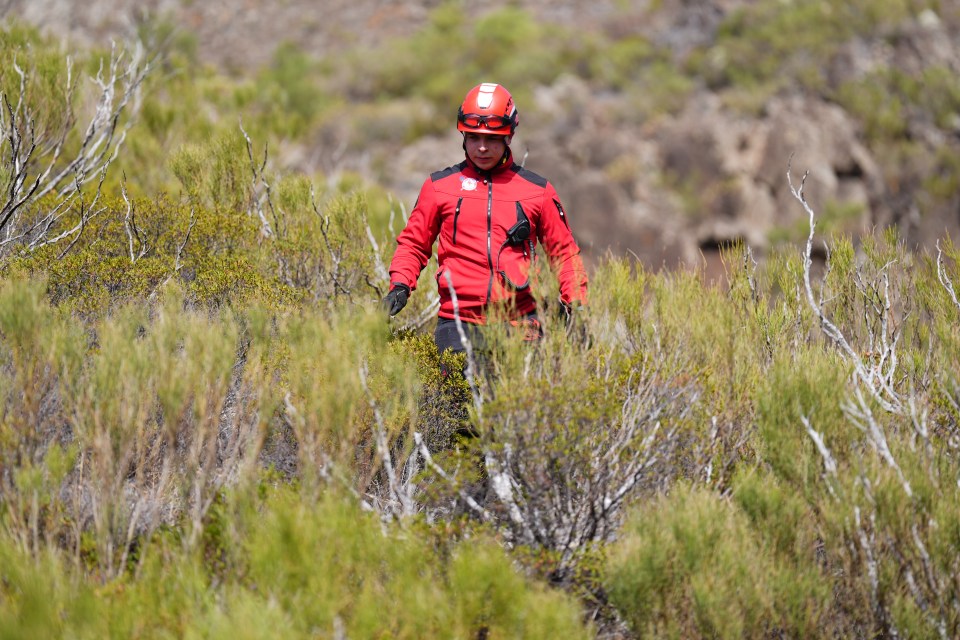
x=691 y=565
x=319 y=568
x=776 y=42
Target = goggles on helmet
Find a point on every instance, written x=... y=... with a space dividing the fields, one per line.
x=474 y=120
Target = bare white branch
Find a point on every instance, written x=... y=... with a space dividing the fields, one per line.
x=829 y=463
x=471 y=371
x=34 y=165
x=103 y=136
x=469 y=500
x=944 y=277
x=259 y=179
x=402 y=495
x=867 y=546
x=860 y=413
x=130 y=227
x=934 y=583
x=377 y=256
x=428 y=314
x=177 y=263
x=336 y=255
x=877 y=382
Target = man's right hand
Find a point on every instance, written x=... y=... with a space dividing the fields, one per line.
x=396 y=299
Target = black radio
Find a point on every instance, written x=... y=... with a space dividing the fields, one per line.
x=520 y=231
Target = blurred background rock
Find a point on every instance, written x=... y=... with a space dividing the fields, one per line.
x=667 y=126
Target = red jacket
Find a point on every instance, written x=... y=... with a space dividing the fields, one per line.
x=471 y=212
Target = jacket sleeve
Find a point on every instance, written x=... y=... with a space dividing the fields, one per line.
x=415 y=242
x=557 y=239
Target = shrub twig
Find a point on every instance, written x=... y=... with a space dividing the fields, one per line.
x=86 y=212
x=436 y=468
x=829 y=462
x=259 y=198
x=401 y=494
x=877 y=380
x=944 y=277
x=336 y=256
x=178 y=259
x=130 y=226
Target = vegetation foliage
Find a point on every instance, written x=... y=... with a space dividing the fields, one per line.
x=208 y=427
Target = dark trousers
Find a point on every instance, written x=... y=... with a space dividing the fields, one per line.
x=447 y=336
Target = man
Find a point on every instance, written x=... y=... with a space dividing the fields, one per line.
x=489 y=214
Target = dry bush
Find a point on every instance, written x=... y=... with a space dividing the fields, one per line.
x=51 y=147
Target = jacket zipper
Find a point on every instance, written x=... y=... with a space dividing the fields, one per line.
x=489 y=182
x=563 y=216
x=456 y=216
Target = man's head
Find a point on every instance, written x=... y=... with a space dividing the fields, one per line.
x=487 y=118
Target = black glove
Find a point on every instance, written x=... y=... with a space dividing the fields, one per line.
x=396 y=299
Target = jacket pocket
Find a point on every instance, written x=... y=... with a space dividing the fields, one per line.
x=456 y=217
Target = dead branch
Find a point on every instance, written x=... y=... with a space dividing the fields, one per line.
x=85 y=211
x=471 y=503
x=20 y=134
x=867 y=542
x=35 y=166
x=377 y=257
x=336 y=255
x=944 y=277
x=428 y=314
x=877 y=379
x=262 y=194
x=130 y=226
x=861 y=415
x=471 y=371
x=177 y=263
x=402 y=494
x=829 y=462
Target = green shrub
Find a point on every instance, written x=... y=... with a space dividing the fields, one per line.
x=787 y=42
x=453 y=52
x=329 y=562
x=45 y=77
x=39 y=598
x=691 y=565
x=307 y=568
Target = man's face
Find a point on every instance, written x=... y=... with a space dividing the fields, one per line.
x=485 y=150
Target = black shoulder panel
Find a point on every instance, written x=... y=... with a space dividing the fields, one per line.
x=440 y=175
x=530 y=176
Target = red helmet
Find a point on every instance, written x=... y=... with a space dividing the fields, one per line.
x=488 y=108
